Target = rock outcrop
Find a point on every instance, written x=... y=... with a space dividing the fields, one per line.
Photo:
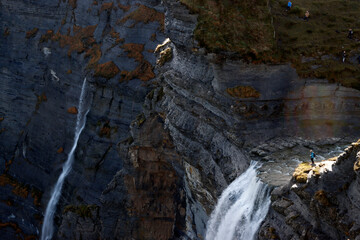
x=320 y=202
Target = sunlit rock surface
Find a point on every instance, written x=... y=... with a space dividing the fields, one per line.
x=324 y=204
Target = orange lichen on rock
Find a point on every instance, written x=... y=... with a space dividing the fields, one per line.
x=31 y=33
x=47 y=36
x=60 y=150
x=82 y=38
x=243 y=92
x=21 y=190
x=95 y=54
x=321 y=197
x=116 y=35
x=43 y=97
x=19 y=232
x=12 y=225
x=145 y=14
x=73 y=3
x=151 y=190
x=125 y=8
x=105 y=131
x=143 y=72
x=153 y=37
x=72 y=110
x=134 y=50
x=18 y=188
x=106 y=7
x=80 y=41
x=107 y=70
x=36 y=194
x=4 y=180
x=6 y=32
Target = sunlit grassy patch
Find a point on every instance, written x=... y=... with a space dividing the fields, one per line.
x=247 y=27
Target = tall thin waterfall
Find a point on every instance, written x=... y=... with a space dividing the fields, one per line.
x=241 y=208
x=48 y=227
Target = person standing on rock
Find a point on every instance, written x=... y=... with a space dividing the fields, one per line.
x=343 y=56
x=289 y=5
x=312 y=156
x=307 y=14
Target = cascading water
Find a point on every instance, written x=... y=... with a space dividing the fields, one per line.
x=241 y=208
x=48 y=228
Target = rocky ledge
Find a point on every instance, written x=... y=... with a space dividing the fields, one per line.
x=320 y=202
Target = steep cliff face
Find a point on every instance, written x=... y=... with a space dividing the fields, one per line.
x=157 y=150
x=320 y=202
x=47 y=49
x=218 y=110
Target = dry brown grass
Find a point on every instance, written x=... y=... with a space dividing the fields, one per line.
x=243 y=92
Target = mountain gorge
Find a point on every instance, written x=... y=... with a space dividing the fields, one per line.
x=170 y=125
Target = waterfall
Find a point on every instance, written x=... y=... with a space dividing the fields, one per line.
x=241 y=208
x=48 y=228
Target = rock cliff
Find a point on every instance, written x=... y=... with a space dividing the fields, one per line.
x=320 y=202
x=160 y=144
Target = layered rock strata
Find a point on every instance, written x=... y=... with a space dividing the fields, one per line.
x=320 y=202
x=195 y=123
x=47 y=49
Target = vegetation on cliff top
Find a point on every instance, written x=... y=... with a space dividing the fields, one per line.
x=263 y=31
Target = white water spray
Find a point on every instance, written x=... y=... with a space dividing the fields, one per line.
x=241 y=208
x=48 y=228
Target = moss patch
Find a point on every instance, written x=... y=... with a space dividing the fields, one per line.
x=235 y=26
x=243 y=92
x=301 y=172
